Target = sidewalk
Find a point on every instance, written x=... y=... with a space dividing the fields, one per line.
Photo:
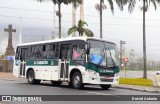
x=7 y=76
x=151 y=89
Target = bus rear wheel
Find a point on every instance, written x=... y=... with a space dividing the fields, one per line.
x=56 y=83
x=31 y=78
x=77 y=80
x=105 y=87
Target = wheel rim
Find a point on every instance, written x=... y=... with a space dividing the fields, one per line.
x=30 y=77
x=76 y=80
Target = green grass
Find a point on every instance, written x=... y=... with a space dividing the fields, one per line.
x=136 y=81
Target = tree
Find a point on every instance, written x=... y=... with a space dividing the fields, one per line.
x=145 y=7
x=80 y=29
x=59 y=2
x=100 y=7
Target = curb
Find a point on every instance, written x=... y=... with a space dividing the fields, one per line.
x=136 y=89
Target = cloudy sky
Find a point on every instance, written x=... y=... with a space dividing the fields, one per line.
x=37 y=24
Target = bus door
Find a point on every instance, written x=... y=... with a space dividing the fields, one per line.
x=65 y=58
x=23 y=58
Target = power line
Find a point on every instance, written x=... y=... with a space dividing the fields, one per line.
x=79 y=14
x=26 y=9
x=62 y=21
x=25 y=17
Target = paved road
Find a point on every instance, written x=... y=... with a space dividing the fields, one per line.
x=137 y=74
x=21 y=87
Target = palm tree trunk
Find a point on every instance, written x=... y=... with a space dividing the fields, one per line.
x=101 y=19
x=82 y=11
x=144 y=43
x=59 y=7
x=73 y=19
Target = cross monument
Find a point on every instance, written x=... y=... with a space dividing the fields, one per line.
x=9 y=49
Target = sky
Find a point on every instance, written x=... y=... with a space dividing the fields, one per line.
x=37 y=23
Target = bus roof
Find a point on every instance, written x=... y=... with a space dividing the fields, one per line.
x=62 y=39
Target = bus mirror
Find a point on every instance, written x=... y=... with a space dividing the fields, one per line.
x=87 y=48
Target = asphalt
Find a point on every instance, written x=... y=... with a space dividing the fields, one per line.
x=151 y=89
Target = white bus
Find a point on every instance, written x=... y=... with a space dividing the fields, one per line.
x=78 y=61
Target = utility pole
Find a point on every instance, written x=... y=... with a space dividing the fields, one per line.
x=42 y=37
x=20 y=31
x=101 y=19
x=121 y=43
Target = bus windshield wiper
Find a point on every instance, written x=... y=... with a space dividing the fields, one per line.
x=114 y=64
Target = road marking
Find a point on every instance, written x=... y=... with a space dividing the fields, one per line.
x=96 y=93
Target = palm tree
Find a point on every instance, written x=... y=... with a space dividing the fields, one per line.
x=100 y=7
x=59 y=2
x=80 y=29
x=146 y=4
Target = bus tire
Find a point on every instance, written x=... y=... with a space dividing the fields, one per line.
x=31 y=77
x=37 y=81
x=77 y=80
x=56 y=83
x=70 y=84
x=105 y=87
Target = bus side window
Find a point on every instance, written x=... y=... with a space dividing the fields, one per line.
x=57 y=51
x=43 y=51
x=51 y=51
x=24 y=54
x=78 y=54
x=46 y=49
x=37 y=52
x=29 y=53
x=32 y=52
x=63 y=52
x=68 y=52
x=17 y=53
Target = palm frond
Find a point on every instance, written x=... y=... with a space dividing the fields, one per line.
x=81 y=23
x=154 y=3
x=55 y=1
x=120 y=4
x=111 y=5
x=76 y=3
x=158 y=2
x=72 y=29
x=131 y=5
x=88 y=32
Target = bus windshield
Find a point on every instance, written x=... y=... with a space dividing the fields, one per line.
x=103 y=54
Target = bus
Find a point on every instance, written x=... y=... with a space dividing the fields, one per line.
x=78 y=61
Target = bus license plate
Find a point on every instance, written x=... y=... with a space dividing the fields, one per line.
x=107 y=77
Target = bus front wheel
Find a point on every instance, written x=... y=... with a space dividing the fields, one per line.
x=105 y=87
x=77 y=80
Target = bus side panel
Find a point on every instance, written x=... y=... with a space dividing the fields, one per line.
x=16 y=69
x=45 y=72
x=55 y=73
